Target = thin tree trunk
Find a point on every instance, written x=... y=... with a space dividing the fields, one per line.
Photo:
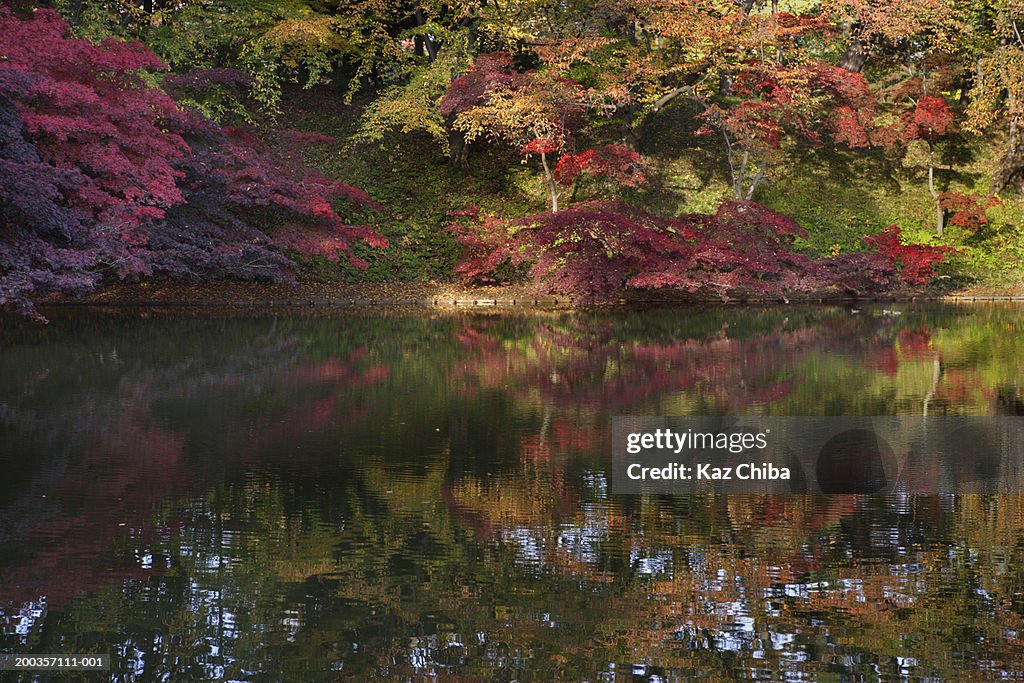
x=632 y=132
x=939 y=213
x=458 y=149
x=725 y=84
x=552 y=187
x=755 y=182
x=1010 y=172
x=425 y=42
x=740 y=176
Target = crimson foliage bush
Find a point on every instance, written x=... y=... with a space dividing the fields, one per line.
x=102 y=175
x=596 y=250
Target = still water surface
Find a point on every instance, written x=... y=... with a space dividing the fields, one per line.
x=288 y=498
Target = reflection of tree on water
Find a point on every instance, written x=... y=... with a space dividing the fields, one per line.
x=369 y=498
x=111 y=453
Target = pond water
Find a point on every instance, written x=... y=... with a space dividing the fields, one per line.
x=393 y=496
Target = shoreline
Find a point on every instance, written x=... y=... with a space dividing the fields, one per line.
x=449 y=296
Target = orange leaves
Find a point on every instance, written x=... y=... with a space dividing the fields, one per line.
x=882 y=19
x=494 y=102
x=541 y=146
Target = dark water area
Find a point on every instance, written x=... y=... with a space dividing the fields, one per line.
x=412 y=497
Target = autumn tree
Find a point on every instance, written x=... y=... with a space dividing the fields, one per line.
x=276 y=42
x=104 y=176
x=85 y=156
x=538 y=113
x=879 y=35
x=998 y=92
x=772 y=90
x=930 y=120
x=920 y=58
x=756 y=75
x=772 y=105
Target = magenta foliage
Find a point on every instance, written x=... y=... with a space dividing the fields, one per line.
x=590 y=248
x=862 y=272
x=745 y=248
x=234 y=185
x=101 y=175
x=597 y=250
x=86 y=109
x=84 y=157
x=890 y=264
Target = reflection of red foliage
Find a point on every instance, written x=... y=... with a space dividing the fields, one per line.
x=315 y=412
x=535 y=447
x=106 y=499
x=572 y=370
x=887 y=361
x=915 y=342
x=960 y=386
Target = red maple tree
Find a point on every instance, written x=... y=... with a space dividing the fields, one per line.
x=102 y=175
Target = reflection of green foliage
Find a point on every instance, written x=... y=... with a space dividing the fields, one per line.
x=461 y=518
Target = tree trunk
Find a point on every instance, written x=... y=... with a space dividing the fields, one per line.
x=739 y=176
x=75 y=8
x=425 y=42
x=632 y=132
x=552 y=186
x=1010 y=172
x=633 y=137
x=743 y=185
x=854 y=58
x=725 y=84
x=940 y=215
x=458 y=149
x=755 y=182
x=936 y=374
